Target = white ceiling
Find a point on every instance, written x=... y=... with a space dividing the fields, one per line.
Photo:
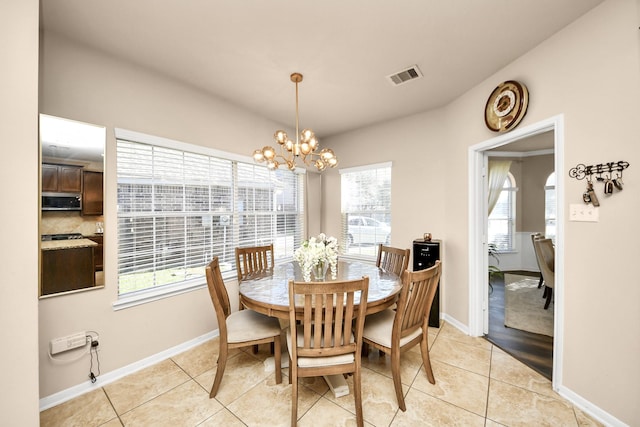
x=244 y=50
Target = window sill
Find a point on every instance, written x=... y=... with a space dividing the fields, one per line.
x=150 y=295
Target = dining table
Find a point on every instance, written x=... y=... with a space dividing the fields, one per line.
x=268 y=293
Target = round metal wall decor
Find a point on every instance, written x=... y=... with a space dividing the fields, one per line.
x=506 y=106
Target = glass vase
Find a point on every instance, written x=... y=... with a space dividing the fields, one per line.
x=320 y=271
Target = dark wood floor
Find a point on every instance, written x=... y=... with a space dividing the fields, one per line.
x=534 y=350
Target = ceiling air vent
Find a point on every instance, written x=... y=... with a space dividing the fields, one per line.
x=404 y=76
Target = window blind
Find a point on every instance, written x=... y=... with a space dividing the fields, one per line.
x=366 y=209
x=178 y=209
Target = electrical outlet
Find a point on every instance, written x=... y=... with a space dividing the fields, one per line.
x=58 y=345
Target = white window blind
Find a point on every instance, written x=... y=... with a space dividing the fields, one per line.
x=366 y=209
x=501 y=227
x=178 y=209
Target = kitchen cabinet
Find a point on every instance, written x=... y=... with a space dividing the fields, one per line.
x=67 y=269
x=98 y=251
x=92 y=193
x=61 y=178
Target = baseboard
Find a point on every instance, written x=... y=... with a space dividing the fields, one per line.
x=590 y=409
x=104 y=379
x=455 y=323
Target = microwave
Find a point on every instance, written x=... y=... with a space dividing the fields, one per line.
x=61 y=202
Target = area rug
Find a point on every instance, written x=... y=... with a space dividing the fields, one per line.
x=524 y=305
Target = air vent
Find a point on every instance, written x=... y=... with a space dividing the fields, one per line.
x=404 y=76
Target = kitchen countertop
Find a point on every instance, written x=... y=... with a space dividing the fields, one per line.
x=67 y=244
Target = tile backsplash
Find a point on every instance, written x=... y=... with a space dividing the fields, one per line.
x=70 y=222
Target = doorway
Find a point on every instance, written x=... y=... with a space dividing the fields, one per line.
x=478 y=249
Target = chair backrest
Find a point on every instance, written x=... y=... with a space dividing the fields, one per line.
x=534 y=237
x=414 y=304
x=253 y=260
x=547 y=260
x=328 y=311
x=393 y=260
x=219 y=295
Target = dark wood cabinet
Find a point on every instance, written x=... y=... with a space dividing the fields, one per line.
x=67 y=270
x=61 y=178
x=98 y=251
x=92 y=193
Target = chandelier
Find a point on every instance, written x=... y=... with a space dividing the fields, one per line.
x=305 y=147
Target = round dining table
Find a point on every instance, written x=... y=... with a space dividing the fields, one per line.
x=268 y=293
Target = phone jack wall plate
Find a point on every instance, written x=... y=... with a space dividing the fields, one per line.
x=58 y=345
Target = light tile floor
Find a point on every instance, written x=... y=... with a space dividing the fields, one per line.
x=476 y=384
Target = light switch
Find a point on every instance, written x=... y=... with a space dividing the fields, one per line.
x=583 y=212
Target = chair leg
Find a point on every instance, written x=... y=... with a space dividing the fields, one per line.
x=540 y=282
x=294 y=397
x=549 y=294
x=222 y=363
x=426 y=360
x=277 y=354
x=357 y=391
x=397 y=383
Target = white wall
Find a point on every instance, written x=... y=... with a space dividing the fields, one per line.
x=19 y=177
x=590 y=73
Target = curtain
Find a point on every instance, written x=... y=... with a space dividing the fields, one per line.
x=498 y=171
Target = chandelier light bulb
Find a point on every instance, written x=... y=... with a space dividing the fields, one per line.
x=306 y=135
x=313 y=143
x=269 y=153
x=305 y=148
x=319 y=164
x=258 y=156
x=288 y=145
x=280 y=136
x=327 y=154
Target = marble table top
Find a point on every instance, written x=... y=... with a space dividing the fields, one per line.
x=269 y=293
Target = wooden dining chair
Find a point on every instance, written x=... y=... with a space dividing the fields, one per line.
x=329 y=339
x=395 y=332
x=547 y=262
x=239 y=329
x=393 y=260
x=253 y=260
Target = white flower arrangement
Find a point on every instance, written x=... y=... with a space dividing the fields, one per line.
x=317 y=252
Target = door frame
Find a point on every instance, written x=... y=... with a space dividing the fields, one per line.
x=478 y=258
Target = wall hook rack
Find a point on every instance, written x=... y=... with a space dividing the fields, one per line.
x=581 y=171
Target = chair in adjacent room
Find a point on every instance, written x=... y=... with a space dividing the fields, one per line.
x=253 y=260
x=329 y=339
x=395 y=332
x=534 y=237
x=239 y=329
x=394 y=260
x=547 y=262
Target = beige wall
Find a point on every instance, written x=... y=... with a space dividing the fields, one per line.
x=19 y=253
x=534 y=172
x=83 y=85
x=575 y=73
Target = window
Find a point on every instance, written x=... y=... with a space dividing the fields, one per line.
x=550 y=207
x=502 y=218
x=366 y=209
x=180 y=207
